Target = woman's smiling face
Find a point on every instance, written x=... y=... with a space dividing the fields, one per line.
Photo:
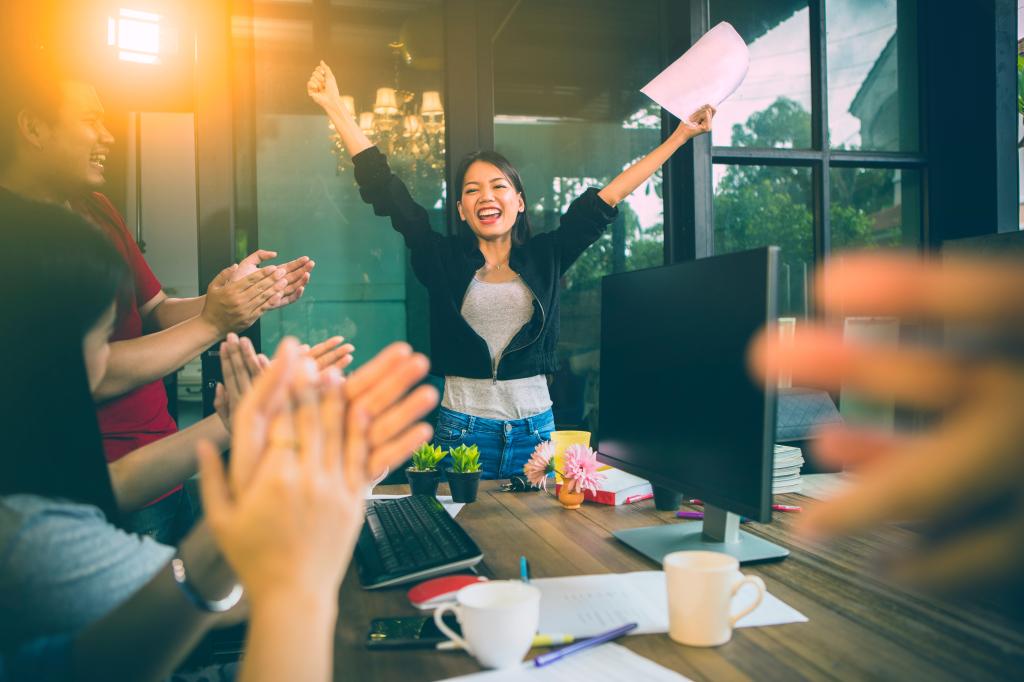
x=489 y=202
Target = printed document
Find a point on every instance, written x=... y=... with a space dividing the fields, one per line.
x=587 y=605
x=707 y=73
x=606 y=663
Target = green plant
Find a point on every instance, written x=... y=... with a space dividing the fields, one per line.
x=426 y=457
x=1020 y=88
x=1020 y=84
x=465 y=459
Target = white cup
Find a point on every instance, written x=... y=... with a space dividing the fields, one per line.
x=498 y=619
x=701 y=588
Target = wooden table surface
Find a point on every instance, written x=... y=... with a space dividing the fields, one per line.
x=861 y=628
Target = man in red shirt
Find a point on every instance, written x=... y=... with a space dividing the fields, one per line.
x=53 y=146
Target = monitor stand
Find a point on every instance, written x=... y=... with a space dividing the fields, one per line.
x=719 y=532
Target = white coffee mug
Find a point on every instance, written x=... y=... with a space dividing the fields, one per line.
x=498 y=619
x=701 y=588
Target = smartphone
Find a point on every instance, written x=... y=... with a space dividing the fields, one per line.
x=412 y=632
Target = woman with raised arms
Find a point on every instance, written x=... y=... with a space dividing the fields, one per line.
x=493 y=287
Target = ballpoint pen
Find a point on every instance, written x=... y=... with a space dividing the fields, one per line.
x=551 y=657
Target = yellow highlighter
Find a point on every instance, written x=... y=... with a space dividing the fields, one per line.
x=553 y=640
x=538 y=640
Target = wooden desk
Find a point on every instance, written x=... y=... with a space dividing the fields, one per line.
x=860 y=627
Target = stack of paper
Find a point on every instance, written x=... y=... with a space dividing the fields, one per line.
x=786 y=469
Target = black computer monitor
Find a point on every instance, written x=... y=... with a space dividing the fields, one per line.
x=678 y=405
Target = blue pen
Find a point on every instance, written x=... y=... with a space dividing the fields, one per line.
x=552 y=656
x=524 y=570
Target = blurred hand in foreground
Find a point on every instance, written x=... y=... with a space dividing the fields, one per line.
x=962 y=475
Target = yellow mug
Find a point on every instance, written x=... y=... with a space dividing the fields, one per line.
x=562 y=440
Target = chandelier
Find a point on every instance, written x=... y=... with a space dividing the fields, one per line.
x=413 y=140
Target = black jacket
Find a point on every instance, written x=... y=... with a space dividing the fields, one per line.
x=446 y=265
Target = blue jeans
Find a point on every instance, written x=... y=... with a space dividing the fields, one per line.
x=505 y=446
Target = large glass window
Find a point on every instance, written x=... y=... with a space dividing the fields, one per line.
x=875 y=208
x=387 y=58
x=569 y=115
x=768 y=205
x=772 y=106
x=851 y=181
x=872 y=74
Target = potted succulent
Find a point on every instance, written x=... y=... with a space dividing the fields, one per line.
x=579 y=472
x=464 y=475
x=423 y=474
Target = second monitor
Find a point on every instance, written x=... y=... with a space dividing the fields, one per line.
x=677 y=403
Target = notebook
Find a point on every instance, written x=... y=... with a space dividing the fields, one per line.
x=617 y=488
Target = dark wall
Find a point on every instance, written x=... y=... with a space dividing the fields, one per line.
x=969 y=62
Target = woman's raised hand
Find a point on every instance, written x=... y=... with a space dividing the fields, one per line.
x=698 y=124
x=322 y=88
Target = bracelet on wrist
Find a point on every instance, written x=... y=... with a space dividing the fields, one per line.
x=198 y=600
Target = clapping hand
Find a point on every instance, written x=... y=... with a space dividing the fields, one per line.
x=233 y=304
x=382 y=386
x=296 y=274
x=964 y=473
x=288 y=522
x=240 y=365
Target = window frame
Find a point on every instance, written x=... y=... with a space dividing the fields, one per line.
x=693 y=227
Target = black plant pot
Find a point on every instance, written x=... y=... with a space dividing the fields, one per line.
x=463 y=486
x=423 y=482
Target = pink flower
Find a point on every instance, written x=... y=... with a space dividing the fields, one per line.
x=540 y=464
x=581 y=469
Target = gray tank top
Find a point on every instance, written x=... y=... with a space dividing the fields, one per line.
x=497 y=312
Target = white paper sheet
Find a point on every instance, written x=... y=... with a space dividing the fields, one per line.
x=452 y=508
x=587 y=605
x=606 y=663
x=707 y=73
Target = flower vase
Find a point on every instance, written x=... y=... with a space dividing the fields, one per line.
x=568 y=499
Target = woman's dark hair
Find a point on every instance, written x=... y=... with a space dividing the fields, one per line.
x=521 y=231
x=61 y=275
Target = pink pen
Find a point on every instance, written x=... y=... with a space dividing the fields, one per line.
x=786 y=508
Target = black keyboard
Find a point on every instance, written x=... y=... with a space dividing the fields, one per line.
x=409 y=539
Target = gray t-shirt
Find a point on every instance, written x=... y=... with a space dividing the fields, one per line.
x=63 y=566
x=497 y=311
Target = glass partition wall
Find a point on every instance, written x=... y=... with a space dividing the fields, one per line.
x=819 y=150
x=298 y=187
x=569 y=115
